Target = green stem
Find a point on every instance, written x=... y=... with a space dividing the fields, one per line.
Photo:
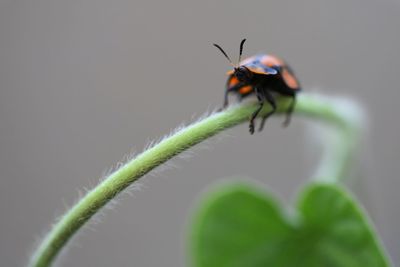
x=98 y=197
x=339 y=139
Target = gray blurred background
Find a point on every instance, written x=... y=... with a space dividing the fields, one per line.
x=82 y=83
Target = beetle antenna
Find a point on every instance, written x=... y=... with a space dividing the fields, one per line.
x=223 y=52
x=241 y=50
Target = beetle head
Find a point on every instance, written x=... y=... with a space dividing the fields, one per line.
x=243 y=74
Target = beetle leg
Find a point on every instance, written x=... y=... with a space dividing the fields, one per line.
x=290 y=111
x=228 y=90
x=261 y=100
x=226 y=103
x=271 y=101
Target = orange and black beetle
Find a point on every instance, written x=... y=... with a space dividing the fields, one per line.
x=261 y=75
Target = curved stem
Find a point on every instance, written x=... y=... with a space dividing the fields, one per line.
x=339 y=143
x=99 y=196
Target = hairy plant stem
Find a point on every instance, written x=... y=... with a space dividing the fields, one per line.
x=311 y=106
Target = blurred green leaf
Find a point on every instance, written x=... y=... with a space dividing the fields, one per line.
x=241 y=226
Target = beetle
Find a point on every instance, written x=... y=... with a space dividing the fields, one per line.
x=263 y=76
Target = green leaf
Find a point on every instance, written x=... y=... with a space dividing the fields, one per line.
x=241 y=226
